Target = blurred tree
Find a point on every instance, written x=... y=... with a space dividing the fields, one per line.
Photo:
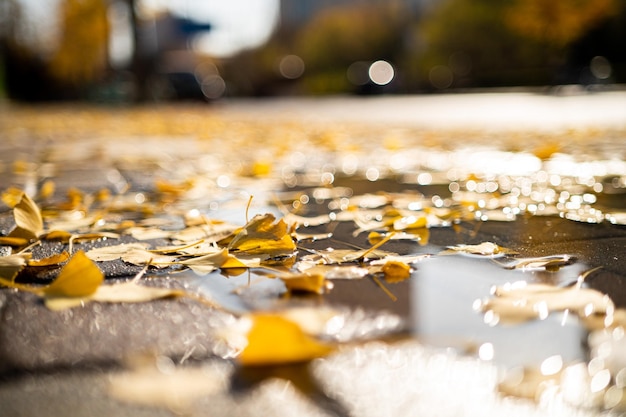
x=505 y=43
x=476 y=30
x=81 y=57
x=42 y=62
x=557 y=22
x=340 y=36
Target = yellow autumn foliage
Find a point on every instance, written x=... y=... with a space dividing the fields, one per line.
x=273 y=339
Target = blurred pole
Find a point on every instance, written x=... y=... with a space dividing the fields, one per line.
x=139 y=67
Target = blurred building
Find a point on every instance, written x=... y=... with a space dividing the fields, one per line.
x=295 y=13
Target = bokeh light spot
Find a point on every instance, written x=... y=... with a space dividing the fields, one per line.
x=381 y=72
x=291 y=67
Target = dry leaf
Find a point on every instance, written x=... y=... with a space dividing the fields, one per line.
x=175 y=389
x=410 y=222
x=80 y=277
x=273 y=339
x=338 y=256
x=16 y=242
x=522 y=301
x=131 y=292
x=11 y=265
x=407 y=259
x=210 y=233
x=419 y=235
x=148 y=233
x=208 y=263
x=28 y=220
x=311 y=236
x=52 y=260
x=305 y=282
x=396 y=271
x=127 y=292
x=487 y=249
x=262 y=235
x=550 y=263
x=298 y=221
x=11 y=196
x=134 y=253
x=57 y=235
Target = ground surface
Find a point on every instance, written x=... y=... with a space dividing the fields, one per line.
x=539 y=174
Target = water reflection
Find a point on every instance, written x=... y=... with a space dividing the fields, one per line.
x=443 y=293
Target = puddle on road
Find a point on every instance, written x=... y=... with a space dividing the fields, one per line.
x=444 y=293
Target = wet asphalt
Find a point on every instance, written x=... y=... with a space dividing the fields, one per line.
x=61 y=363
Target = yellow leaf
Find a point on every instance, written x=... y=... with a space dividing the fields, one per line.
x=16 y=242
x=47 y=189
x=208 y=263
x=396 y=271
x=27 y=218
x=261 y=168
x=315 y=283
x=57 y=235
x=80 y=277
x=273 y=339
x=262 y=235
x=56 y=259
x=12 y=196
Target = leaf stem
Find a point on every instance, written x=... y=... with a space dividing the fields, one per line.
x=385 y=289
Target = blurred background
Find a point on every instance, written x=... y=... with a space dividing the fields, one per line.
x=158 y=50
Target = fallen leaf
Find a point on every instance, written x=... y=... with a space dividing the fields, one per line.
x=305 y=282
x=52 y=260
x=208 y=263
x=12 y=196
x=211 y=233
x=421 y=236
x=80 y=277
x=11 y=265
x=16 y=242
x=333 y=271
x=263 y=235
x=134 y=253
x=147 y=233
x=298 y=221
x=274 y=339
x=396 y=271
x=521 y=301
x=127 y=292
x=549 y=263
x=28 y=220
x=408 y=259
x=57 y=235
x=174 y=388
x=486 y=249
x=300 y=237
